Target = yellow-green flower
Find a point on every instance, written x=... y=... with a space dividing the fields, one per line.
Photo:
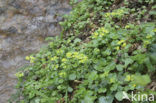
x=27 y=58
x=75 y=53
x=59 y=51
x=149 y=36
x=128 y=78
x=54 y=58
x=118 y=12
x=134 y=85
x=105 y=74
x=81 y=57
x=69 y=55
x=121 y=11
x=107 y=14
x=154 y=30
x=83 y=60
x=127 y=27
x=113 y=13
x=77 y=56
x=64 y=60
x=146 y=42
x=57 y=66
x=95 y=35
x=19 y=74
x=32 y=59
x=100 y=32
x=68 y=41
x=124 y=44
x=117 y=48
x=120 y=42
x=104 y=30
x=62 y=74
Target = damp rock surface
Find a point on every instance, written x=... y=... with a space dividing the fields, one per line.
x=24 y=24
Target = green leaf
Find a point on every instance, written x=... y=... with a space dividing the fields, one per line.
x=107 y=99
x=114 y=87
x=153 y=48
x=70 y=89
x=128 y=61
x=60 y=81
x=92 y=76
x=152 y=12
x=149 y=65
x=119 y=67
x=141 y=80
x=153 y=57
x=37 y=100
x=88 y=99
x=77 y=40
x=102 y=90
x=119 y=96
x=111 y=66
x=72 y=77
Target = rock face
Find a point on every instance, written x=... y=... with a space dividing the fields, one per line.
x=32 y=16
x=23 y=26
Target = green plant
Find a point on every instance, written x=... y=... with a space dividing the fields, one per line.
x=97 y=66
x=77 y=72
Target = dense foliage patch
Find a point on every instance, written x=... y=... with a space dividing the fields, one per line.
x=88 y=15
x=104 y=56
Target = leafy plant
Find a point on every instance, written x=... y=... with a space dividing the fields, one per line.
x=96 y=66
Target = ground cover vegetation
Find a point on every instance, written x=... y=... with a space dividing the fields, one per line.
x=107 y=48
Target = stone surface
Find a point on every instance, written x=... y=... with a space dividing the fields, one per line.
x=23 y=26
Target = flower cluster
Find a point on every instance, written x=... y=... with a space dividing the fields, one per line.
x=19 y=74
x=54 y=58
x=59 y=51
x=127 y=26
x=118 y=12
x=64 y=60
x=30 y=58
x=149 y=36
x=148 y=40
x=121 y=43
x=100 y=32
x=79 y=56
x=62 y=74
x=130 y=78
